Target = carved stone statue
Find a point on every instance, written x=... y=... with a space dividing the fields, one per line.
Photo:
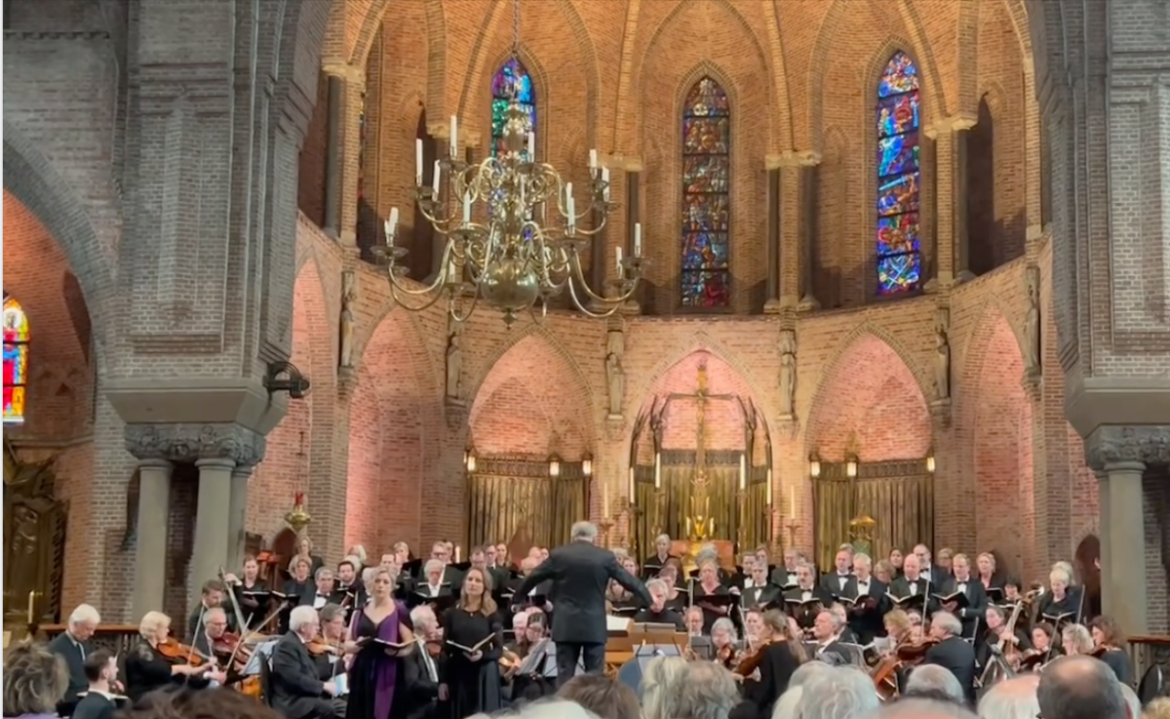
x=454 y=360
x=787 y=373
x=1032 y=323
x=615 y=376
x=942 y=353
x=348 y=299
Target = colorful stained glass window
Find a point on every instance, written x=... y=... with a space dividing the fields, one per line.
x=899 y=250
x=706 y=210
x=15 y=360
x=511 y=78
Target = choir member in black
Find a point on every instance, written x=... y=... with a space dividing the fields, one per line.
x=945 y=560
x=431 y=584
x=769 y=637
x=693 y=621
x=927 y=569
x=305 y=551
x=655 y=562
x=658 y=612
x=473 y=677
x=323 y=586
x=348 y=590
x=897 y=560
x=73 y=645
x=425 y=668
x=998 y=638
x=951 y=652
x=210 y=596
x=252 y=593
x=826 y=632
x=806 y=599
x=864 y=600
x=707 y=587
x=301 y=589
x=377 y=674
x=1059 y=605
x=99 y=702
x=911 y=590
x=836 y=582
x=296 y=689
x=676 y=596
x=970 y=610
x=622 y=601
x=785 y=576
x=985 y=572
x=758 y=591
x=147 y=669
x=1110 y=647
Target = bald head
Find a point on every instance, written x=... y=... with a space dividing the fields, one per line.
x=924 y=709
x=1080 y=687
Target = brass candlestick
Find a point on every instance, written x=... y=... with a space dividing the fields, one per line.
x=299 y=517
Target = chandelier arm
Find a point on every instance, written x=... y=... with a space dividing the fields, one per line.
x=609 y=312
x=620 y=299
x=395 y=288
x=474 y=303
x=434 y=286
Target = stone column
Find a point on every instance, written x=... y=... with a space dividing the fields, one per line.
x=237 y=515
x=633 y=216
x=334 y=151
x=810 y=178
x=772 y=303
x=150 y=550
x=1123 y=562
x=212 y=522
x=797 y=200
x=950 y=199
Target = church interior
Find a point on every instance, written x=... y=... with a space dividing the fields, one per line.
x=838 y=271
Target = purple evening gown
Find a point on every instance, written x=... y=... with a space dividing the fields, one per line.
x=375 y=675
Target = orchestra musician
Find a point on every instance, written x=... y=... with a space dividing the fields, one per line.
x=425 y=668
x=826 y=630
x=147 y=668
x=1110 y=647
x=658 y=612
x=380 y=636
x=73 y=645
x=961 y=582
x=99 y=702
x=295 y=687
x=328 y=652
x=211 y=595
x=951 y=652
x=215 y=625
x=705 y=590
x=536 y=675
x=1000 y=638
x=723 y=640
x=773 y=654
x=655 y=562
x=844 y=631
x=897 y=626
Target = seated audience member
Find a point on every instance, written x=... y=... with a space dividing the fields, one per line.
x=73 y=646
x=296 y=690
x=659 y=682
x=839 y=693
x=935 y=682
x=806 y=672
x=917 y=708
x=1132 y=701
x=704 y=690
x=548 y=709
x=1079 y=687
x=35 y=679
x=788 y=704
x=602 y=696
x=1157 y=709
x=1011 y=699
x=179 y=702
x=101 y=669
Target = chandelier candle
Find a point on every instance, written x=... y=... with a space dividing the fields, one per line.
x=637 y=240
x=454 y=136
x=418 y=162
x=605 y=181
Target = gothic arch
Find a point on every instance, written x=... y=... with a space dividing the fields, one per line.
x=869 y=369
x=993 y=306
x=410 y=325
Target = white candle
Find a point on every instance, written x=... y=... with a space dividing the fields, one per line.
x=389 y=233
x=618 y=253
x=593 y=159
x=637 y=239
x=531 y=147
x=572 y=212
x=769 y=497
x=792 y=501
x=418 y=162
x=742 y=472
x=604 y=497
x=633 y=496
x=657 y=470
x=605 y=181
x=522 y=192
x=392 y=223
x=568 y=194
x=457 y=553
x=454 y=135
x=437 y=178
x=466 y=209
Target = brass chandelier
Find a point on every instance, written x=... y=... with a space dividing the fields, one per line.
x=496 y=249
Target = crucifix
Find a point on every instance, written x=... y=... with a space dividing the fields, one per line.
x=700 y=525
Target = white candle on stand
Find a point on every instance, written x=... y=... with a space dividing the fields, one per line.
x=392 y=223
x=633 y=496
x=531 y=147
x=743 y=471
x=454 y=136
x=605 y=181
x=437 y=178
x=593 y=159
x=657 y=470
x=769 y=497
x=792 y=502
x=418 y=162
x=637 y=239
x=618 y=252
x=466 y=209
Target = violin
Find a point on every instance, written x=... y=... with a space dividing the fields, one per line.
x=1099 y=651
x=913 y=652
x=176 y=652
x=726 y=655
x=751 y=660
x=319 y=646
x=510 y=662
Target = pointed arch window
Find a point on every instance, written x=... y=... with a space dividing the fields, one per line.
x=511 y=77
x=16 y=336
x=899 y=251
x=706 y=191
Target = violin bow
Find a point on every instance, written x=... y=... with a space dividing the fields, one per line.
x=198 y=626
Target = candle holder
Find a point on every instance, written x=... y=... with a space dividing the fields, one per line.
x=605 y=525
x=298 y=518
x=792 y=526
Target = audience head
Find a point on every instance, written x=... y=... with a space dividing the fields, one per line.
x=838 y=693
x=603 y=696
x=101 y=667
x=1080 y=688
x=545 y=709
x=788 y=705
x=1132 y=702
x=659 y=683
x=931 y=678
x=83 y=622
x=35 y=679
x=706 y=691
x=807 y=672
x=1011 y=699
x=584 y=532
x=1158 y=709
x=918 y=708
x=186 y=703
x=304 y=621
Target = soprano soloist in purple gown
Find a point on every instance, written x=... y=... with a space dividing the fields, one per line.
x=375 y=675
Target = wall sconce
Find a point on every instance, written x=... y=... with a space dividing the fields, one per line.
x=587 y=466
x=469 y=460
x=930 y=463
x=554 y=466
x=814 y=465
x=851 y=466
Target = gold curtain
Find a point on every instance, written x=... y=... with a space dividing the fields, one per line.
x=510 y=495
x=666 y=509
x=898 y=495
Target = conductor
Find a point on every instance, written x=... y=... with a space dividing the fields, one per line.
x=580 y=573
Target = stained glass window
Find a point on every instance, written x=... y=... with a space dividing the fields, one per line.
x=899 y=251
x=706 y=206
x=15 y=360
x=512 y=77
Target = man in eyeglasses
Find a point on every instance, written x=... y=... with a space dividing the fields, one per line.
x=1081 y=687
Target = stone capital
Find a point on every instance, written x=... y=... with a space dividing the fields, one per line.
x=195 y=442
x=1113 y=445
x=629 y=163
x=346 y=71
x=792 y=158
x=954 y=123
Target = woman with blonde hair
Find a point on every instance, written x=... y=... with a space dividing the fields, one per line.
x=35 y=679
x=147 y=669
x=376 y=670
x=475 y=638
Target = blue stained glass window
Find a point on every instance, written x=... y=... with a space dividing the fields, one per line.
x=706 y=211
x=899 y=248
x=509 y=79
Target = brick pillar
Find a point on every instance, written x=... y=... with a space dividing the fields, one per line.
x=950 y=199
x=797 y=194
x=334 y=152
x=345 y=134
x=150 y=550
x=772 y=303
